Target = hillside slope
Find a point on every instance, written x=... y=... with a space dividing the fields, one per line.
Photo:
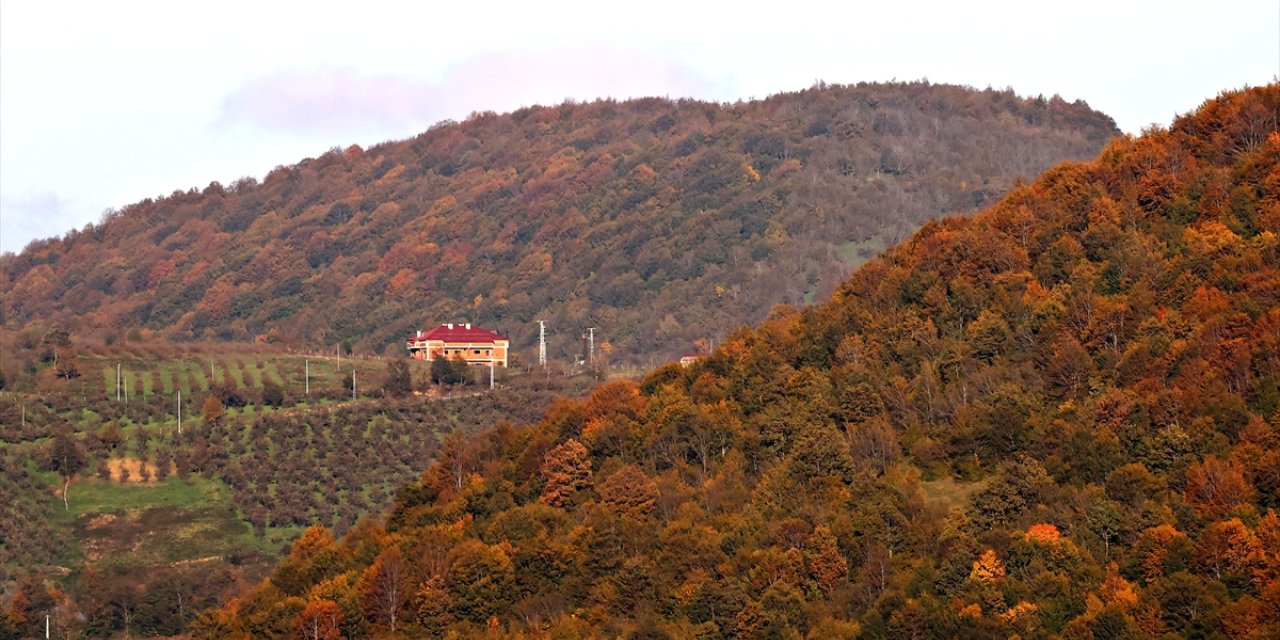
x=658 y=221
x=1056 y=419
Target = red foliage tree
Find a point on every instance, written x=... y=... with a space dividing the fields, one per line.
x=566 y=469
x=1216 y=487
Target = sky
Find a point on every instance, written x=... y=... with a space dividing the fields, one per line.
x=103 y=104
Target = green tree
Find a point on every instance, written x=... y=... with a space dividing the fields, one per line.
x=272 y=393
x=449 y=371
x=398 y=382
x=479 y=578
x=67 y=457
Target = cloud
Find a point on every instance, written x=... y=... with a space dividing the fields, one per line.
x=37 y=215
x=326 y=101
x=347 y=101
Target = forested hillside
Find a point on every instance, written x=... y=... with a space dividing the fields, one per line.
x=1056 y=419
x=658 y=221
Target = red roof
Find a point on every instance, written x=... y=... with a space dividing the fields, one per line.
x=459 y=333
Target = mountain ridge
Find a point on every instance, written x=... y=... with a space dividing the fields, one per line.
x=701 y=214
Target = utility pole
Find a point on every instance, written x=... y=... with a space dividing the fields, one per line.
x=542 y=344
x=353 y=384
x=117 y=382
x=491 y=375
x=591 y=346
x=179 y=411
x=306 y=374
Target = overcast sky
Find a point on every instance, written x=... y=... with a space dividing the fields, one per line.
x=105 y=103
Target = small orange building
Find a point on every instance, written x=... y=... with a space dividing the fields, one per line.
x=472 y=344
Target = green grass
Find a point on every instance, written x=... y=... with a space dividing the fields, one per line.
x=232 y=370
x=273 y=373
x=172 y=521
x=131 y=383
x=217 y=375
x=98 y=496
x=195 y=376
x=165 y=373
x=109 y=380
x=853 y=252
x=252 y=375
x=246 y=411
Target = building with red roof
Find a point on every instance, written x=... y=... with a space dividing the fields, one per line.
x=452 y=341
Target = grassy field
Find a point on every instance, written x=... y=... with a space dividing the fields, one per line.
x=174 y=521
x=858 y=253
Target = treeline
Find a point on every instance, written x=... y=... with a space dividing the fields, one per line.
x=1060 y=418
x=659 y=221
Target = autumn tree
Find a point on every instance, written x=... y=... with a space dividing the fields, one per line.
x=988 y=569
x=1216 y=487
x=566 y=469
x=629 y=492
x=212 y=410
x=55 y=341
x=1229 y=550
x=826 y=564
x=386 y=588
x=67 y=366
x=321 y=620
x=314 y=557
x=1069 y=366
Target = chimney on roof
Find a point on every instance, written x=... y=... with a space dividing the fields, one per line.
x=468 y=325
x=419 y=333
x=450 y=325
